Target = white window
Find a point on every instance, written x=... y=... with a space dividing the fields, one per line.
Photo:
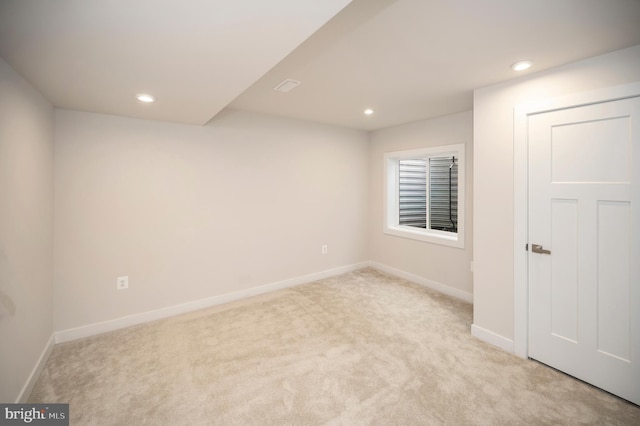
x=424 y=194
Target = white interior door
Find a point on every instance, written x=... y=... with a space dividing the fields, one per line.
x=584 y=208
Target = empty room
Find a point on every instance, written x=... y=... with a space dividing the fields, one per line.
x=310 y=212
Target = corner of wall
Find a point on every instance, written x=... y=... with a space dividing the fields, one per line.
x=36 y=371
x=492 y=338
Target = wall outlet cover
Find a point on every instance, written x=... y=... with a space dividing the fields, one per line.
x=122 y=283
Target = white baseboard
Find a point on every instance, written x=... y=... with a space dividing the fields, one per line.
x=127 y=321
x=479 y=332
x=35 y=373
x=492 y=338
x=439 y=287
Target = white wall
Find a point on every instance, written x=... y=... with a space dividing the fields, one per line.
x=191 y=212
x=26 y=232
x=493 y=172
x=439 y=264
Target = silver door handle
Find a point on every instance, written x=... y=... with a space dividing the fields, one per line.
x=537 y=248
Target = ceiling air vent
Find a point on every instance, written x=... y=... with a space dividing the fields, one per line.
x=286 y=85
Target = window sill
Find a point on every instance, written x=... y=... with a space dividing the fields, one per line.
x=430 y=236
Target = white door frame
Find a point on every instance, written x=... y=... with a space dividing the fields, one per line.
x=521 y=195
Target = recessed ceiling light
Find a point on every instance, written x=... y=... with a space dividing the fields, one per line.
x=368 y=111
x=143 y=97
x=521 y=66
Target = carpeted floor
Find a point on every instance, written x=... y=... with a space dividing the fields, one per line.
x=363 y=348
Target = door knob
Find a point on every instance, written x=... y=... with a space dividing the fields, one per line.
x=537 y=248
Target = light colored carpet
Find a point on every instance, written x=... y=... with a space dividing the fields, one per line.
x=363 y=348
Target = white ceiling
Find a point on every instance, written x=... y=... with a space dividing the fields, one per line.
x=194 y=56
x=406 y=59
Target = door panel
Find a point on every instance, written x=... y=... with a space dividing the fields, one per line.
x=584 y=297
x=576 y=147
x=564 y=269
x=613 y=278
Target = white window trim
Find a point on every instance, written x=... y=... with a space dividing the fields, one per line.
x=390 y=197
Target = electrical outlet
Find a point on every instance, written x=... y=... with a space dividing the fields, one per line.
x=325 y=249
x=122 y=283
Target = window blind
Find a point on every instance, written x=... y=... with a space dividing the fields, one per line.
x=443 y=195
x=413 y=193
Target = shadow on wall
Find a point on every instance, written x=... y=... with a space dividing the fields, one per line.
x=7 y=307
